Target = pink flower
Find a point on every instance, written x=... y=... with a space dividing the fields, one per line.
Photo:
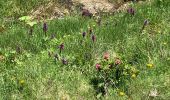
x=106 y=56
x=118 y=61
x=98 y=66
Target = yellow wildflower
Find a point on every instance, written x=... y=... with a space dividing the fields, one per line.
x=133 y=76
x=121 y=93
x=165 y=43
x=150 y=65
x=21 y=82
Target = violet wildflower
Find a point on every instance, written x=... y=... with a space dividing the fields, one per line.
x=131 y=11
x=64 y=61
x=45 y=27
x=61 y=47
x=145 y=23
x=84 y=34
x=93 y=38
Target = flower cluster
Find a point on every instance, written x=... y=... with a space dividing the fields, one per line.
x=113 y=72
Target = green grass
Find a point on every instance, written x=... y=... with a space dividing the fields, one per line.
x=120 y=35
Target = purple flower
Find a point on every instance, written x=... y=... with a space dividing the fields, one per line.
x=84 y=34
x=45 y=27
x=145 y=23
x=93 y=38
x=61 y=47
x=131 y=11
x=64 y=61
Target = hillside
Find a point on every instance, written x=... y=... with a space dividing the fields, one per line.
x=122 y=53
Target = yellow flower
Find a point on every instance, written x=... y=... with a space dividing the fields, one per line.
x=133 y=76
x=165 y=43
x=121 y=93
x=21 y=82
x=150 y=65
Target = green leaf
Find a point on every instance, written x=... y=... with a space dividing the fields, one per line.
x=101 y=84
x=99 y=95
x=32 y=23
x=25 y=18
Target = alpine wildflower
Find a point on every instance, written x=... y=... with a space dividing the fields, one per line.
x=117 y=61
x=121 y=93
x=98 y=66
x=64 y=61
x=45 y=28
x=145 y=23
x=131 y=11
x=93 y=38
x=84 y=34
x=21 y=82
x=61 y=47
x=106 y=56
x=150 y=65
x=133 y=76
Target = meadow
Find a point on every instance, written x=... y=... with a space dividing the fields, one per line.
x=126 y=56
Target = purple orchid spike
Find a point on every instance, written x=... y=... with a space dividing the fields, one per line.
x=131 y=11
x=61 y=47
x=93 y=38
x=145 y=23
x=45 y=28
x=64 y=61
x=84 y=34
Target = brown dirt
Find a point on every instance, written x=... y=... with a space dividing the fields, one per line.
x=54 y=10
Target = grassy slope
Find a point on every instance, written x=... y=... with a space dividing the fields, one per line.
x=45 y=78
